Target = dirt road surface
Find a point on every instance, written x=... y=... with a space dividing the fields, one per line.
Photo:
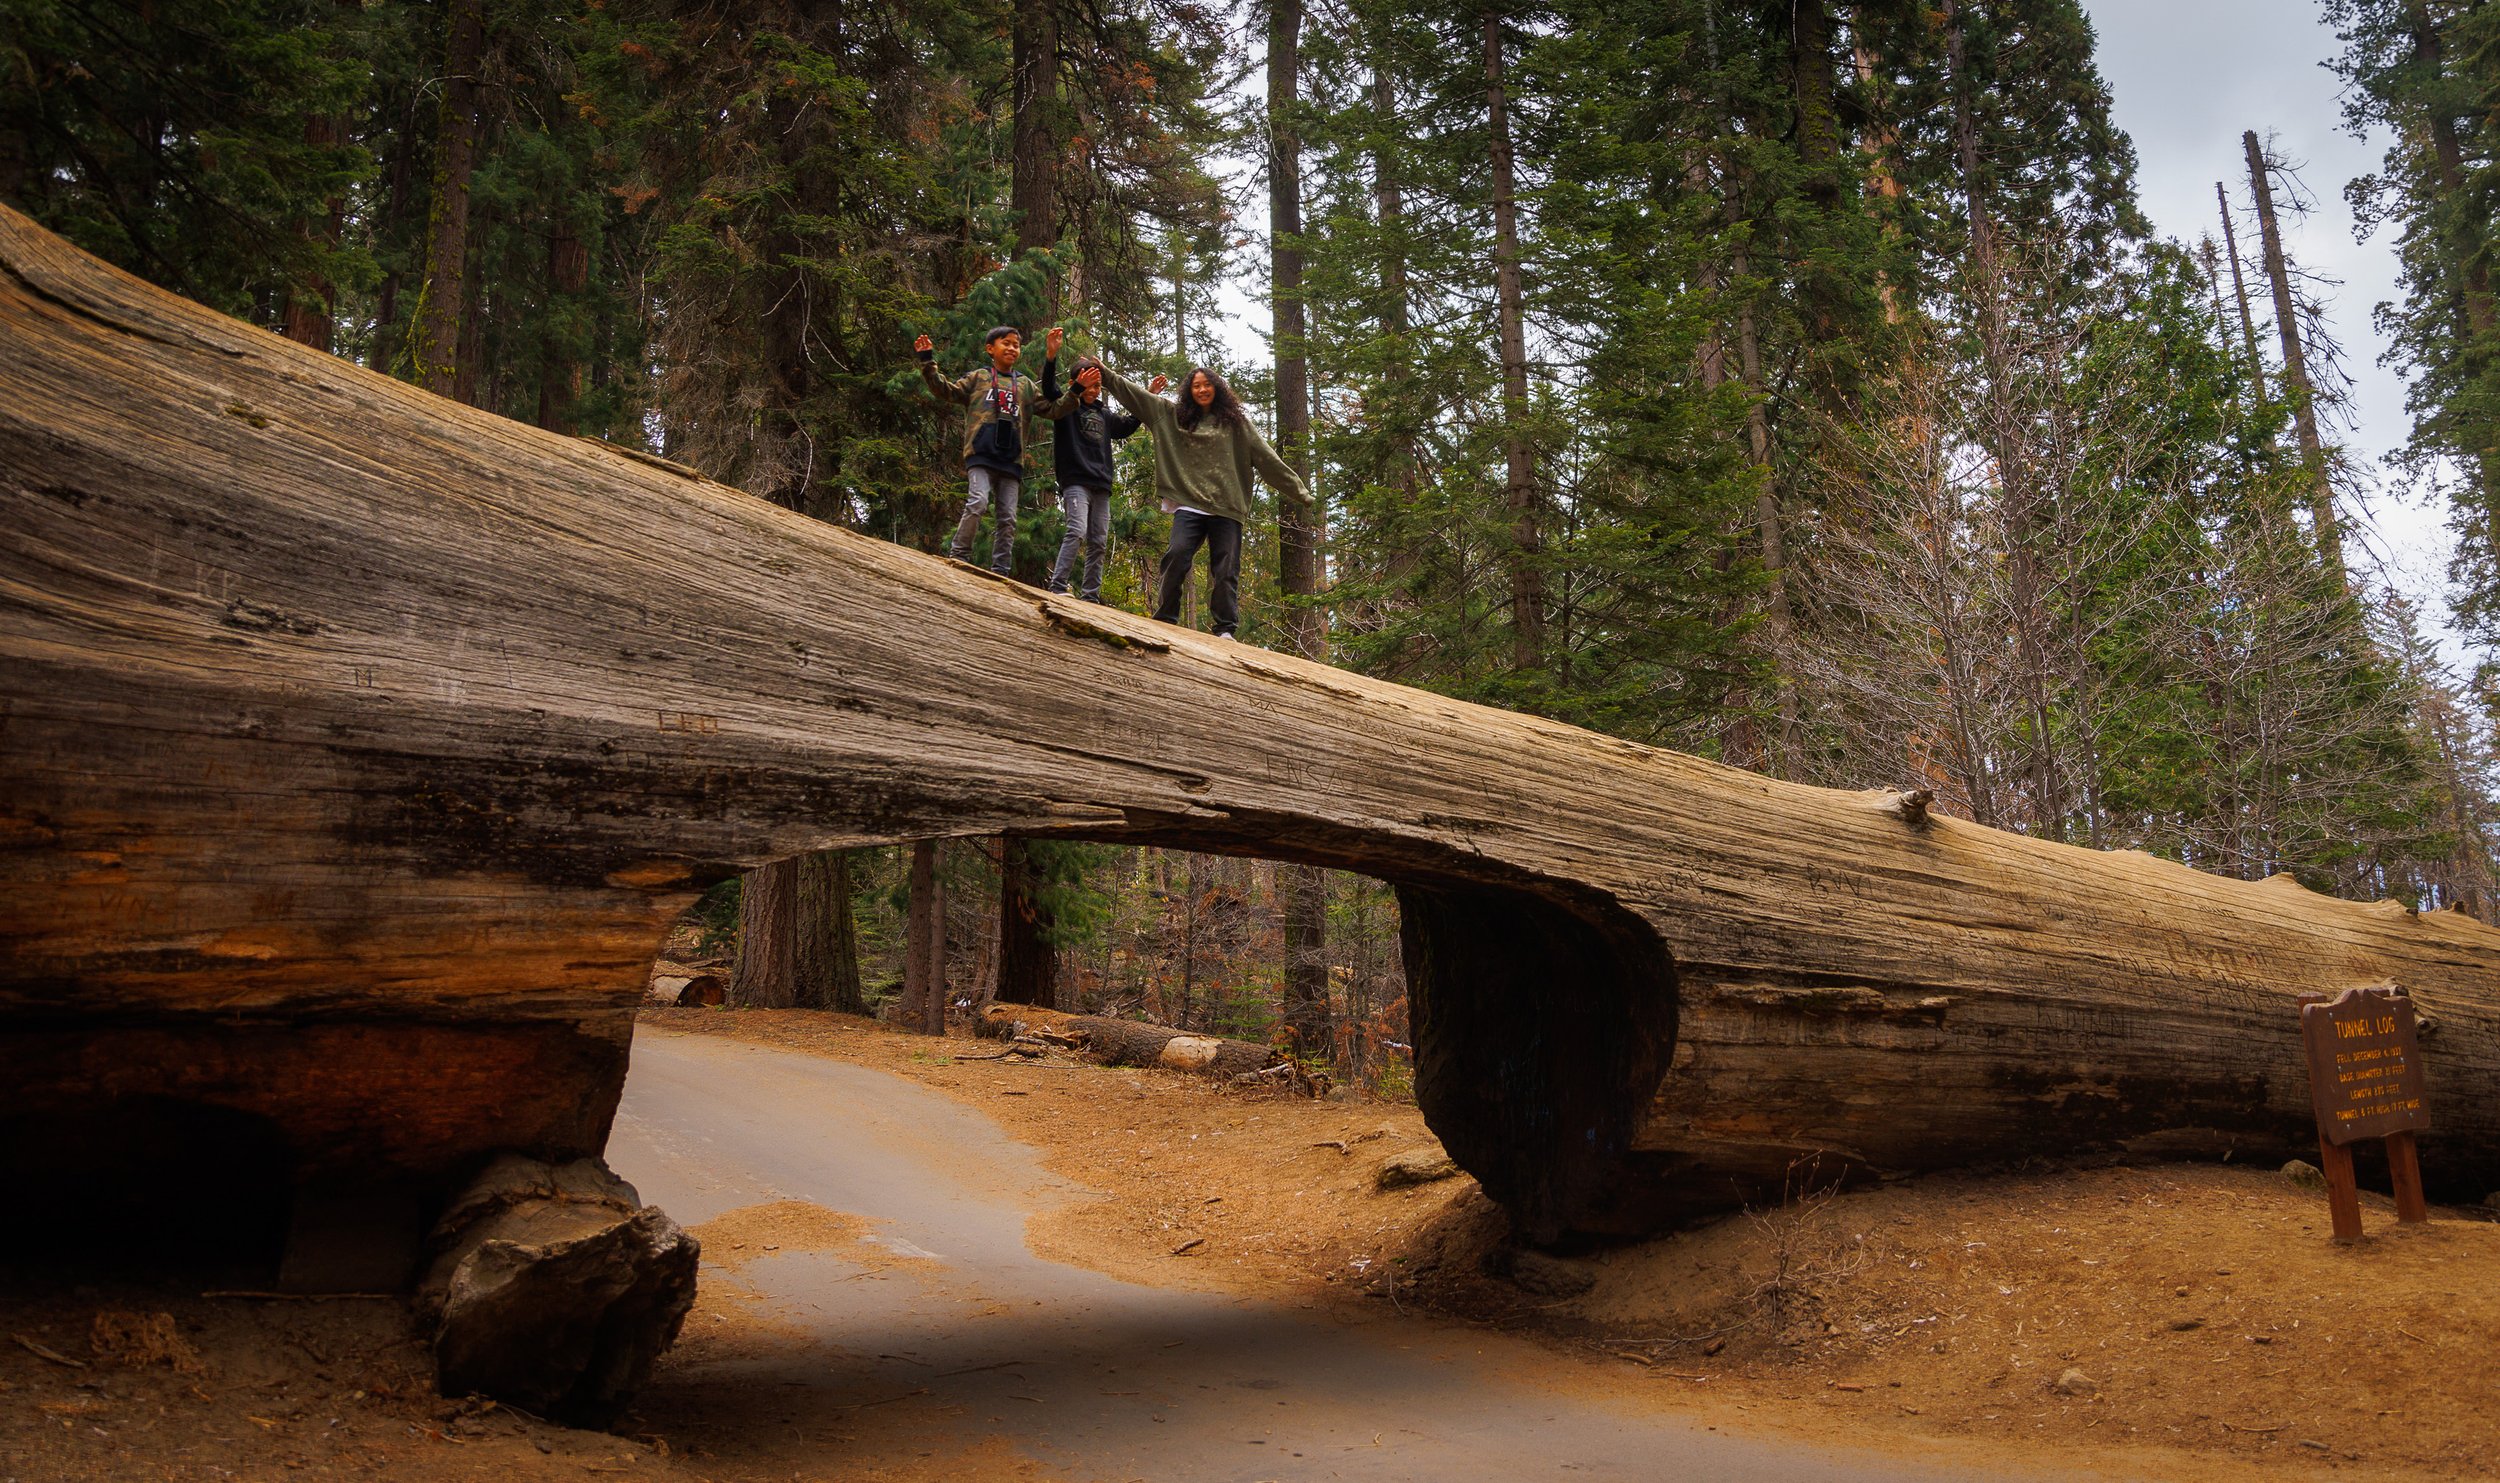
x=941 y=1319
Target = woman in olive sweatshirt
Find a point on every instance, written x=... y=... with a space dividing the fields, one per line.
x=1205 y=454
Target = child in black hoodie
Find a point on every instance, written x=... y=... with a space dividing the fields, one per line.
x=1080 y=452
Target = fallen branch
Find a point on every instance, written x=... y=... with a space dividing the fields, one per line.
x=1025 y=1049
x=302 y=1297
x=39 y=1352
x=1004 y=1364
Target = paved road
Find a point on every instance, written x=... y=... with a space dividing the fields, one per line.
x=1089 y=1374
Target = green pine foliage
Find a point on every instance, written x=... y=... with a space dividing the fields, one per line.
x=183 y=140
x=2428 y=72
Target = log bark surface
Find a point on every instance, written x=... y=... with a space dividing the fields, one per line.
x=331 y=708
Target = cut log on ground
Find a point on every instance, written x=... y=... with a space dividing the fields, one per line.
x=700 y=991
x=1135 y=1043
x=357 y=747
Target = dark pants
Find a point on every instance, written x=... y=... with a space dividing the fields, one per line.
x=1222 y=538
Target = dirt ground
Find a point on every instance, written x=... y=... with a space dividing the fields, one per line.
x=2171 y=1321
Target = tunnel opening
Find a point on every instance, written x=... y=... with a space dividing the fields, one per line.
x=1530 y=1023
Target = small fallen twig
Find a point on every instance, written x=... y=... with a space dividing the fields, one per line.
x=2255 y=1430
x=39 y=1352
x=888 y=1401
x=300 y=1297
x=1021 y=1051
x=1192 y=1244
x=1742 y=1323
x=1004 y=1364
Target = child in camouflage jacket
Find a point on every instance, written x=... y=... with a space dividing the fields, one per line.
x=999 y=402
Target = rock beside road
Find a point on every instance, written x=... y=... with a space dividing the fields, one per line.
x=1415 y=1166
x=555 y=1289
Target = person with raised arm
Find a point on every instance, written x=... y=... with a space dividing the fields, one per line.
x=1080 y=453
x=1205 y=454
x=998 y=415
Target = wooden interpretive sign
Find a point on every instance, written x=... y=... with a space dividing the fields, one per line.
x=2365 y=1081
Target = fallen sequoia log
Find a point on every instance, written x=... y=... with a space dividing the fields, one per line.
x=1136 y=1043
x=358 y=747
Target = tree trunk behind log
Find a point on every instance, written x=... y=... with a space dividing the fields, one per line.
x=343 y=723
x=797 y=947
x=924 y=945
x=1028 y=966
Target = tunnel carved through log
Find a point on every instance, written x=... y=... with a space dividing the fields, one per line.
x=330 y=708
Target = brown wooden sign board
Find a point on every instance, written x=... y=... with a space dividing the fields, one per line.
x=2365 y=1081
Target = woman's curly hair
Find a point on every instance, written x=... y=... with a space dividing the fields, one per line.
x=1225 y=406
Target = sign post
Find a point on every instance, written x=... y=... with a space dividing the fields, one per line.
x=2365 y=1081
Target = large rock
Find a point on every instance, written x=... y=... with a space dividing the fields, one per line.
x=554 y=1288
x=1413 y=1167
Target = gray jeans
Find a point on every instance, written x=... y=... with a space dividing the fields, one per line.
x=989 y=490
x=1089 y=525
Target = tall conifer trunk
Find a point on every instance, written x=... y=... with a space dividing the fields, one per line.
x=1028 y=966
x=1526 y=565
x=1879 y=141
x=843 y=989
x=2296 y=380
x=1298 y=545
x=1033 y=188
x=924 y=945
x=797 y=943
x=1810 y=83
x=559 y=374
x=1299 y=530
x=1393 y=318
x=310 y=318
x=437 y=338
x=1768 y=526
x=397 y=204
x=2239 y=290
x=2448 y=161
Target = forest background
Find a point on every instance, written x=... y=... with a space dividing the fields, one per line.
x=1792 y=382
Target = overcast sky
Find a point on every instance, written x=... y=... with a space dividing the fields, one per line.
x=2189 y=76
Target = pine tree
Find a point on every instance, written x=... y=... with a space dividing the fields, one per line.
x=189 y=141
x=2428 y=71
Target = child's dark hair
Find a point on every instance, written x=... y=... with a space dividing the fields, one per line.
x=1225 y=406
x=998 y=333
x=1082 y=364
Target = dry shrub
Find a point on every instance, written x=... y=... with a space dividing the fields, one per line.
x=139 y=1340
